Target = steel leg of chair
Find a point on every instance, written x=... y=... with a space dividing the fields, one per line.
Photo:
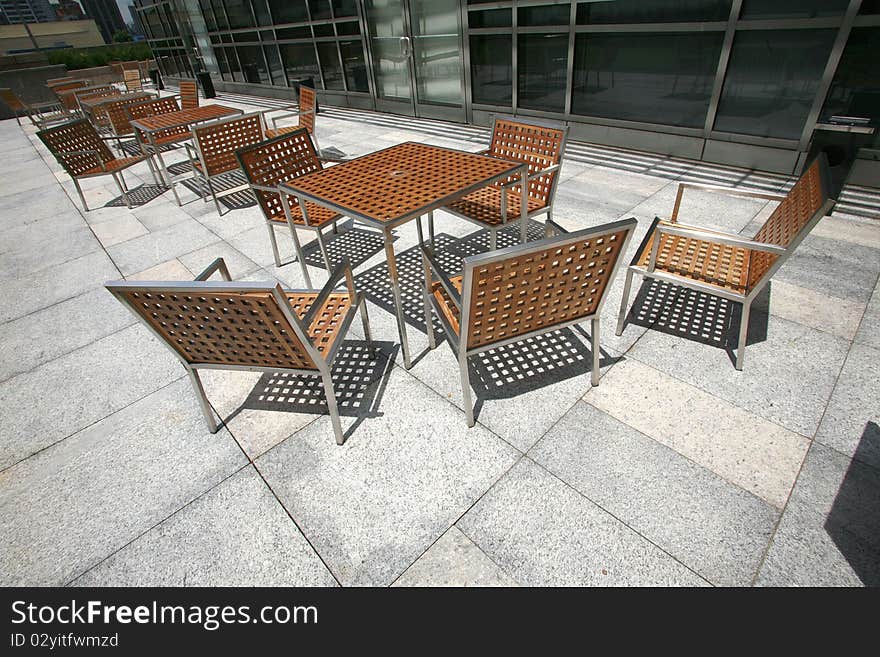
x=274 y=243
x=79 y=191
x=300 y=256
x=493 y=239
x=203 y=400
x=323 y=248
x=431 y=227
x=335 y=229
x=395 y=292
x=419 y=231
x=167 y=176
x=122 y=181
x=365 y=320
x=153 y=171
x=743 y=334
x=466 y=388
x=122 y=190
x=627 y=286
x=330 y=393
x=214 y=196
x=426 y=299
x=596 y=351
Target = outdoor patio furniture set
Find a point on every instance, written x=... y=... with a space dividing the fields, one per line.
x=500 y=297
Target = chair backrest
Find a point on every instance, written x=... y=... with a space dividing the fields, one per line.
x=801 y=209
x=76 y=137
x=224 y=324
x=65 y=84
x=56 y=81
x=539 y=286
x=539 y=146
x=189 y=94
x=153 y=107
x=217 y=142
x=117 y=113
x=12 y=101
x=276 y=161
x=307 y=107
x=132 y=79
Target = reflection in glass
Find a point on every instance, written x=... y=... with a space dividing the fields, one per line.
x=220 y=14
x=261 y=11
x=319 y=9
x=655 y=78
x=652 y=11
x=343 y=8
x=436 y=51
x=492 y=69
x=252 y=65
x=299 y=61
x=234 y=68
x=208 y=13
x=348 y=28
x=771 y=81
x=541 y=71
x=390 y=60
x=544 y=15
x=288 y=11
x=354 y=65
x=760 y=9
x=490 y=18
x=855 y=90
x=331 y=70
x=276 y=68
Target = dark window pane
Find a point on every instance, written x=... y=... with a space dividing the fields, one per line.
x=276 y=69
x=261 y=11
x=490 y=18
x=208 y=13
x=541 y=64
x=267 y=35
x=220 y=14
x=252 y=64
x=319 y=9
x=239 y=13
x=855 y=90
x=348 y=28
x=234 y=68
x=303 y=32
x=547 y=15
x=652 y=11
x=870 y=7
x=343 y=8
x=225 y=73
x=288 y=11
x=354 y=65
x=330 y=68
x=323 y=29
x=492 y=68
x=655 y=78
x=771 y=81
x=792 y=8
x=245 y=37
x=299 y=60
x=226 y=38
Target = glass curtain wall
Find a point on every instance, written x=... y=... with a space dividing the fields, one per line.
x=167 y=31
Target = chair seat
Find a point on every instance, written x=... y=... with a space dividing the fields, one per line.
x=277 y=132
x=720 y=265
x=328 y=321
x=484 y=205
x=113 y=165
x=318 y=215
x=446 y=304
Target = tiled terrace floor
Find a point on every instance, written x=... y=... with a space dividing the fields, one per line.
x=676 y=469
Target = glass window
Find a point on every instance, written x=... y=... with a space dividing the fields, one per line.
x=253 y=65
x=870 y=7
x=288 y=11
x=261 y=11
x=220 y=14
x=276 y=69
x=490 y=18
x=655 y=78
x=234 y=68
x=354 y=65
x=792 y=8
x=323 y=29
x=303 y=32
x=319 y=9
x=541 y=71
x=348 y=28
x=771 y=81
x=600 y=12
x=331 y=71
x=546 y=15
x=245 y=37
x=239 y=13
x=492 y=69
x=855 y=90
x=299 y=61
x=343 y=8
x=220 y=55
x=208 y=13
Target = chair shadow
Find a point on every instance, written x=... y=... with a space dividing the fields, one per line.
x=359 y=380
x=353 y=242
x=855 y=505
x=697 y=316
x=140 y=195
x=239 y=200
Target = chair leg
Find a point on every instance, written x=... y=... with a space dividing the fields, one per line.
x=274 y=243
x=466 y=388
x=493 y=239
x=330 y=393
x=153 y=171
x=596 y=351
x=743 y=334
x=300 y=256
x=214 y=196
x=365 y=320
x=323 y=247
x=624 y=301
x=203 y=400
x=122 y=188
x=79 y=191
x=431 y=227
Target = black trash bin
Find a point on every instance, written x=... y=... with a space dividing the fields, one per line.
x=307 y=81
x=840 y=138
x=206 y=84
x=156 y=77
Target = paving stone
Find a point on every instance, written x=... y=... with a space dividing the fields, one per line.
x=172 y=270
x=833 y=315
x=143 y=252
x=238 y=264
x=118 y=229
x=869 y=328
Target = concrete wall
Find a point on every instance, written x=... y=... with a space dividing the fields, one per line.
x=30 y=84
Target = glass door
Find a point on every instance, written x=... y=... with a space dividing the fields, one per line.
x=417 y=58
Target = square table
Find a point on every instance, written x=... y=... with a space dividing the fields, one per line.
x=92 y=107
x=181 y=121
x=398 y=184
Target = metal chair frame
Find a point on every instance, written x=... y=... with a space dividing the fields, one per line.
x=658 y=228
x=306 y=113
x=298 y=327
x=36 y=113
x=458 y=340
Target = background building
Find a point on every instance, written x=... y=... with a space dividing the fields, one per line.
x=742 y=82
x=69 y=10
x=26 y=11
x=23 y=37
x=107 y=15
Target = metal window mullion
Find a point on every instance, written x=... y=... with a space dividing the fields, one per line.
x=514 y=64
x=569 y=73
x=465 y=49
x=721 y=70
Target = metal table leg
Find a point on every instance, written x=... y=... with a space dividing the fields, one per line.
x=395 y=291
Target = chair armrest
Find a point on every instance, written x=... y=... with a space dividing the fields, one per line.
x=716 y=189
x=289 y=115
x=431 y=265
x=544 y=172
x=220 y=264
x=552 y=227
x=719 y=238
x=342 y=269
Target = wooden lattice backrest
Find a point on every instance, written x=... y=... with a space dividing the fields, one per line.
x=117 y=113
x=538 y=146
x=66 y=85
x=541 y=285
x=132 y=79
x=277 y=161
x=210 y=323
x=793 y=217
x=189 y=94
x=153 y=107
x=307 y=108
x=218 y=141
x=14 y=103
x=54 y=82
x=77 y=146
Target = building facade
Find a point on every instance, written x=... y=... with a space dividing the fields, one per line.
x=107 y=15
x=742 y=82
x=26 y=11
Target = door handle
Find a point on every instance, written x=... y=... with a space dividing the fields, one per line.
x=405 y=46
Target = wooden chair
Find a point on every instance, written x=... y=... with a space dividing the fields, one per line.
x=525 y=290
x=214 y=146
x=541 y=146
x=132 y=80
x=189 y=94
x=273 y=162
x=40 y=114
x=64 y=92
x=118 y=120
x=53 y=82
x=727 y=265
x=248 y=326
x=306 y=119
x=82 y=152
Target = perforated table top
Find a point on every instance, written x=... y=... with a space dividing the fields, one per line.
x=183 y=117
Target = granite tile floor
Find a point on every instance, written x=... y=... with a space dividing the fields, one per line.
x=675 y=470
